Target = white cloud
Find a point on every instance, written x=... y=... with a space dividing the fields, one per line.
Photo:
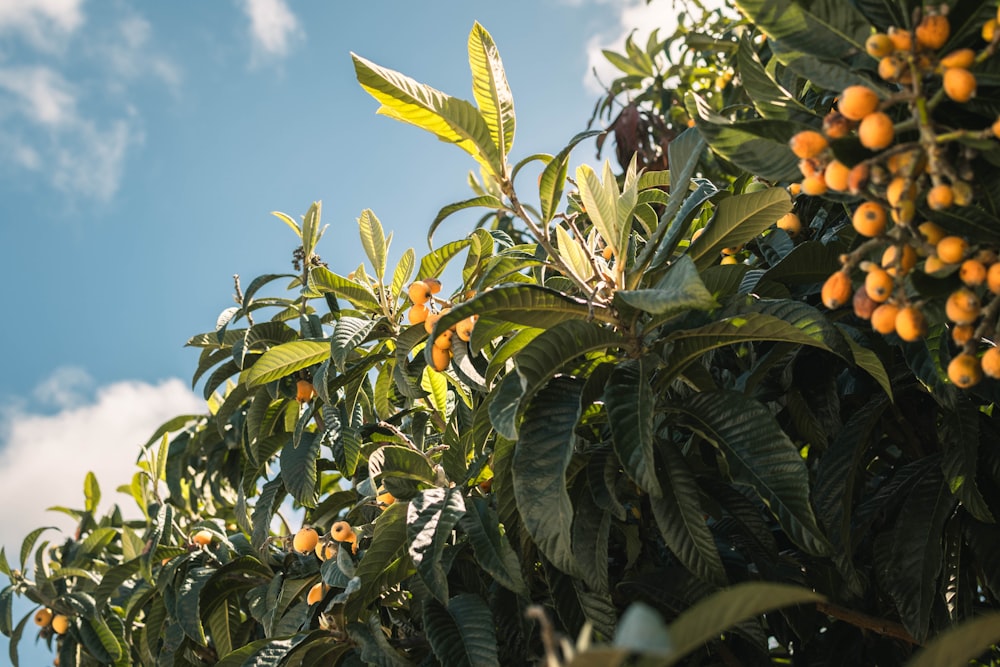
x=65 y=388
x=40 y=94
x=272 y=26
x=43 y=23
x=44 y=458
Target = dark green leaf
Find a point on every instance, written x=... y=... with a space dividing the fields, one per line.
x=737 y=220
x=322 y=281
x=298 y=468
x=823 y=27
x=629 y=400
x=960 y=644
x=461 y=633
x=681 y=289
x=487 y=201
x=430 y=518
x=493 y=551
x=553 y=178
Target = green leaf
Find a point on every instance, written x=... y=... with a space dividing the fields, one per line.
x=553 y=177
x=106 y=640
x=433 y=264
x=430 y=518
x=29 y=543
x=761 y=456
x=285 y=359
x=404 y=268
x=868 y=361
x=490 y=89
x=298 y=468
x=288 y=221
x=808 y=262
x=574 y=252
x=462 y=633
x=600 y=199
x=4 y=565
x=961 y=643
x=348 y=333
x=737 y=220
x=487 y=201
x=630 y=403
x=720 y=611
x=493 y=551
x=322 y=281
x=373 y=241
x=402 y=462
x=436 y=385
x=375 y=647
x=770 y=98
x=91 y=492
x=311 y=231
x=451 y=120
x=541 y=458
x=507 y=350
x=6 y=608
x=681 y=289
x=822 y=28
x=959 y=433
x=679 y=517
x=380 y=564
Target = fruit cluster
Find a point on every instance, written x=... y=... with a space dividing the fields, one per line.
x=428 y=309
x=915 y=162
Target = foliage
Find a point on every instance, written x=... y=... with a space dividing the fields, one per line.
x=609 y=441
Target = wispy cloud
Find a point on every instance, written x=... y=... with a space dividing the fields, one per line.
x=44 y=457
x=273 y=27
x=40 y=94
x=41 y=22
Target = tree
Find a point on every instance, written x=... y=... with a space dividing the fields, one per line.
x=645 y=425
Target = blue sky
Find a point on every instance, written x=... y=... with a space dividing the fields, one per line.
x=143 y=147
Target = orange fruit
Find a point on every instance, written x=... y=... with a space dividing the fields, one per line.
x=60 y=624
x=837 y=290
x=932 y=32
x=342 y=532
x=790 y=223
x=417 y=313
x=962 y=306
x=993 y=278
x=879 y=45
x=419 y=292
x=325 y=550
x=856 y=102
x=814 y=186
x=385 y=499
x=869 y=219
x=863 y=304
x=836 y=175
x=990 y=362
x=995 y=128
x=951 y=249
x=432 y=319
x=910 y=324
x=972 y=272
x=931 y=232
x=893 y=68
x=440 y=358
x=989 y=29
x=729 y=260
x=900 y=188
x=959 y=84
x=836 y=125
x=433 y=284
x=810 y=167
x=857 y=179
x=876 y=131
x=316 y=593
x=901 y=267
x=305 y=540
x=964 y=58
x=964 y=370
x=901 y=39
x=443 y=341
x=43 y=617
x=807 y=144
x=202 y=538
x=940 y=197
x=903 y=213
x=304 y=391
x=883 y=318
x=463 y=329
x=962 y=333
x=879 y=285
x=608 y=253
x=933 y=264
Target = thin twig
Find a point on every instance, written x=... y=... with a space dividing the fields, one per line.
x=866 y=622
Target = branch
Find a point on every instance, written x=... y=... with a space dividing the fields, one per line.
x=866 y=622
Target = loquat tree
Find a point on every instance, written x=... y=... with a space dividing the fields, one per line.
x=731 y=406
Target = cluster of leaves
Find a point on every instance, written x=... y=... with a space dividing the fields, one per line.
x=635 y=433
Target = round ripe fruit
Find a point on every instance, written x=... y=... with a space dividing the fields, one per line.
x=385 y=499
x=879 y=45
x=698 y=232
x=419 y=292
x=607 y=253
x=989 y=29
x=891 y=68
x=863 y=304
x=794 y=189
x=325 y=550
x=904 y=212
x=962 y=306
x=959 y=58
x=60 y=624
x=993 y=278
x=814 y=186
x=856 y=102
x=342 y=532
x=940 y=197
x=304 y=391
x=202 y=538
x=434 y=284
x=836 y=175
x=951 y=249
x=883 y=318
x=931 y=232
x=910 y=324
x=444 y=340
x=962 y=333
x=728 y=260
x=417 y=313
x=972 y=272
x=932 y=31
x=837 y=290
x=810 y=167
x=463 y=329
x=959 y=84
x=900 y=188
x=836 y=125
x=857 y=179
x=869 y=219
x=906 y=262
x=879 y=285
x=962 y=193
x=991 y=362
x=790 y=223
x=431 y=320
x=807 y=144
x=440 y=358
x=305 y=540
x=933 y=264
x=995 y=128
x=964 y=370
x=876 y=131
x=43 y=617
x=901 y=39
x=316 y=593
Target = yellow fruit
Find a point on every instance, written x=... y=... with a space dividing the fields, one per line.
x=790 y=223
x=951 y=249
x=962 y=306
x=418 y=313
x=995 y=128
x=879 y=285
x=385 y=499
x=869 y=219
x=856 y=102
x=607 y=253
x=440 y=358
x=202 y=538
x=305 y=540
x=325 y=550
x=933 y=264
x=959 y=84
x=863 y=304
x=876 y=131
x=433 y=284
x=837 y=290
x=463 y=329
x=901 y=267
x=879 y=45
x=903 y=212
x=900 y=188
x=901 y=39
x=316 y=593
x=932 y=32
x=991 y=362
x=432 y=319
x=962 y=333
x=793 y=189
x=43 y=616
x=419 y=292
x=892 y=68
x=959 y=58
x=883 y=318
x=836 y=175
x=443 y=341
x=342 y=532
x=814 y=186
x=910 y=324
x=807 y=144
x=304 y=391
x=964 y=370
x=993 y=278
x=989 y=29
x=931 y=232
x=972 y=272
x=60 y=624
